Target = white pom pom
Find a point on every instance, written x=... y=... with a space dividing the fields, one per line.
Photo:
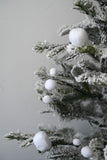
x=78 y=37
x=86 y=152
x=50 y=84
x=42 y=141
x=76 y=142
x=52 y=71
x=46 y=99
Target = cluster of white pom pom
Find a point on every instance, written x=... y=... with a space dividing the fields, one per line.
x=85 y=151
x=50 y=84
x=78 y=37
x=43 y=143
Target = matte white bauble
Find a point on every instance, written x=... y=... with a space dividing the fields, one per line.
x=78 y=37
x=86 y=152
x=52 y=71
x=42 y=141
x=46 y=99
x=50 y=84
x=76 y=142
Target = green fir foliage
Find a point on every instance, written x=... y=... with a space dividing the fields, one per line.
x=86 y=7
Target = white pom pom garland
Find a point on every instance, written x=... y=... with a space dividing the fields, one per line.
x=46 y=99
x=42 y=141
x=76 y=142
x=52 y=71
x=50 y=84
x=78 y=37
x=86 y=152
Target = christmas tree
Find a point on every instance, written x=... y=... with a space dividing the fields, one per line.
x=75 y=89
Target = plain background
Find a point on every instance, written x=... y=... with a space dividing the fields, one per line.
x=22 y=24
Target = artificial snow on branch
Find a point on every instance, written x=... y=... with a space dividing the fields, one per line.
x=50 y=49
x=62 y=143
x=93 y=78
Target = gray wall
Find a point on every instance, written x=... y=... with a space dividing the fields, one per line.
x=22 y=24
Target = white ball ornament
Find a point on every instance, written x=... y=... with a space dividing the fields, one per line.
x=46 y=99
x=86 y=152
x=76 y=142
x=50 y=84
x=42 y=141
x=52 y=71
x=78 y=37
